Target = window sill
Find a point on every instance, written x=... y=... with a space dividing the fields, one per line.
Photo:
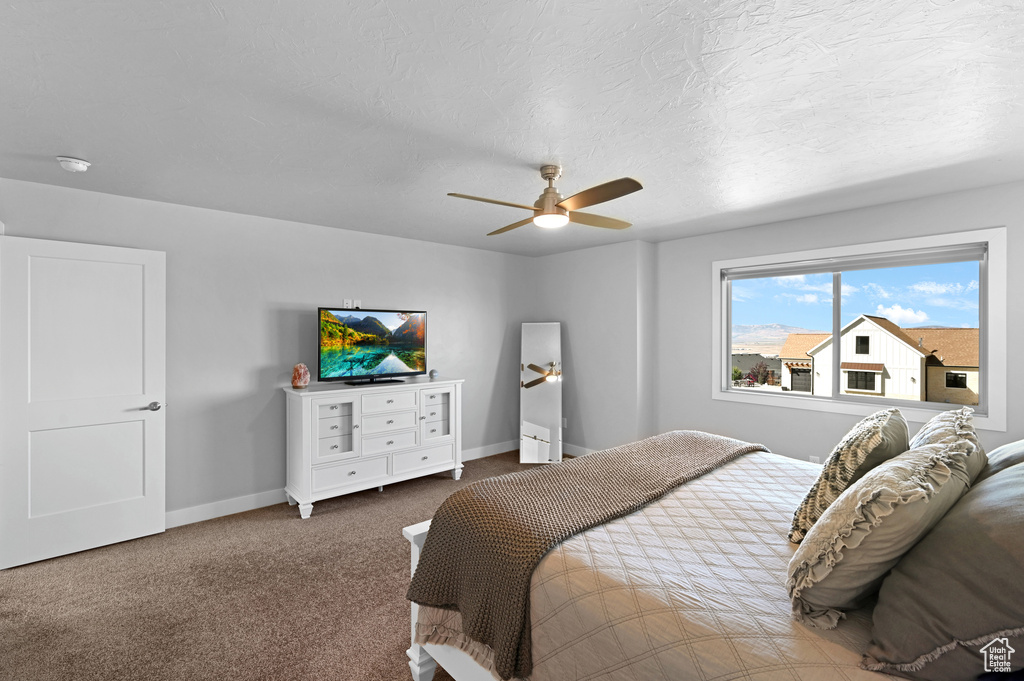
x=911 y=411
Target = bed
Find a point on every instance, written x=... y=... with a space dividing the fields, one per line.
x=692 y=586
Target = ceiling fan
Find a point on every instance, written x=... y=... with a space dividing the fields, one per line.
x=551 y=210
x=550 y=375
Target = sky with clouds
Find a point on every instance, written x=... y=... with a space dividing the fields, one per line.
x=922 y=295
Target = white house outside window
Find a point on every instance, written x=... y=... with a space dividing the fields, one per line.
x=913 y=318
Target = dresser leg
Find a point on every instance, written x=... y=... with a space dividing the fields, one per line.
x=291 y=502
x=380 y=488
x=457 y=472
x=305 y=510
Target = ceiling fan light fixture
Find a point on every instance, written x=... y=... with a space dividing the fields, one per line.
x=551 y=378
x=551 y=220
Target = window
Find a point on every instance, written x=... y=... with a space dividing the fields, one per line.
x=956 y=379
x=851 y=328
x=861 y=380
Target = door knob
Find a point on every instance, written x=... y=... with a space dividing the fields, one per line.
x=153 y=406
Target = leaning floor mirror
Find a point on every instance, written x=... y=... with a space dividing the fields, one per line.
x=540 y=393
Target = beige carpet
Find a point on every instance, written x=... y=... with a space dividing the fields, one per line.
x=257 y=595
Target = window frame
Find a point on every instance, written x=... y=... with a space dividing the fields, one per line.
x=875 y=384
x=867 y=345
x=990 y=413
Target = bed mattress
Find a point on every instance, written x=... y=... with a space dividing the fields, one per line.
x=691 y=587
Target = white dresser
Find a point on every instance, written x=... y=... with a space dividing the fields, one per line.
x=344 y=439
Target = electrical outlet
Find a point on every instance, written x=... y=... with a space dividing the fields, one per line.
x=358 y=304
x=347 y=304
x=565 y=422
x=814 y=459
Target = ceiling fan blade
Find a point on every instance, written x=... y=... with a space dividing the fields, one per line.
x=509 y=228
x=601 y=193
x=597 y=220
x=536 y=381
x=538 y=369
x=500 y=203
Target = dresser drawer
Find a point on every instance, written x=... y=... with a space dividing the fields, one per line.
x=339 y=447
x=329 y=410
x=436 y=429
x=352 y=473
x=335 y=426
x=435 y=412
x=389 y=443
x=389 y=402
x=387 y=422
x=422 y=458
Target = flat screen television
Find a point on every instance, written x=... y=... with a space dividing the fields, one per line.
x=363 y=346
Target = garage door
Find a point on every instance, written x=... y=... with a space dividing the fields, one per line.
x=802 y=380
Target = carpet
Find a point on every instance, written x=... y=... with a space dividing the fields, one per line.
x=255 y=595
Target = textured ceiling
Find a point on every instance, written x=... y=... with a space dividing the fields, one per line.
x=363 y=115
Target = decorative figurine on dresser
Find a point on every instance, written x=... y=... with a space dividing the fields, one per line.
x=344 y=439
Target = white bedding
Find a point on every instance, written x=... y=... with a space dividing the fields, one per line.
x=691 y=587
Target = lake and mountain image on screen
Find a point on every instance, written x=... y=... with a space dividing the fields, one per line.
x=372 y=343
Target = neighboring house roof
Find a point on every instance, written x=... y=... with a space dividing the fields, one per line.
x=893 y=329
x=797 y=344
x=949 y=347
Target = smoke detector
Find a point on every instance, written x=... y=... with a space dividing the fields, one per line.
x=73 y=165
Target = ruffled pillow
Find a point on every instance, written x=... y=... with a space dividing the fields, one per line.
x=948 y=427
x=863 y=534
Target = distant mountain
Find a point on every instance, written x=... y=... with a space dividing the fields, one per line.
x=411 y=331
x=368 y=325
x=765 y=334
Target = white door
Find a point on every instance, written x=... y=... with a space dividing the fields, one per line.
x=82 y=344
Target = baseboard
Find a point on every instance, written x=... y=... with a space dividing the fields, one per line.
x=216 y=509
x=573 y=450
x=489 y=450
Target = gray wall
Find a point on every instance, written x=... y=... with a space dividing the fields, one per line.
x=684 y=310
x=242 y=294
x=604 y=298
x=636 y=321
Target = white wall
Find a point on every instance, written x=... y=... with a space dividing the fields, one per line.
x=604 y=298
x=683 y=388
x=242 y=294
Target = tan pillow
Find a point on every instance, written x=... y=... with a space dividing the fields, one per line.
x=875 y=439
x=958 y=590
x=950 y=426
x=864 y=533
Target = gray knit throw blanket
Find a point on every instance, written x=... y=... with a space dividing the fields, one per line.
x=486 y=539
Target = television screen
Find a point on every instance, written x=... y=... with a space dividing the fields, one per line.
x=371 y=344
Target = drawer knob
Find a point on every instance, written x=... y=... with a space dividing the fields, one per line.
x=433 y=430
x=391 y=401
x=391 y=442
x=423 y=418
x=335 y=427
x=354 y=426
x=390 y=421
x=433 y=413
x=351 y=472
x=433 y=397
x=424 y=458
x=334 y=407
x=335 y=446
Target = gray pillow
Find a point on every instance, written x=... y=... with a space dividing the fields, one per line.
x=957 y=590
x=950 y=426
x=1001 y=458
x=874 y=439
x=870 y=526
